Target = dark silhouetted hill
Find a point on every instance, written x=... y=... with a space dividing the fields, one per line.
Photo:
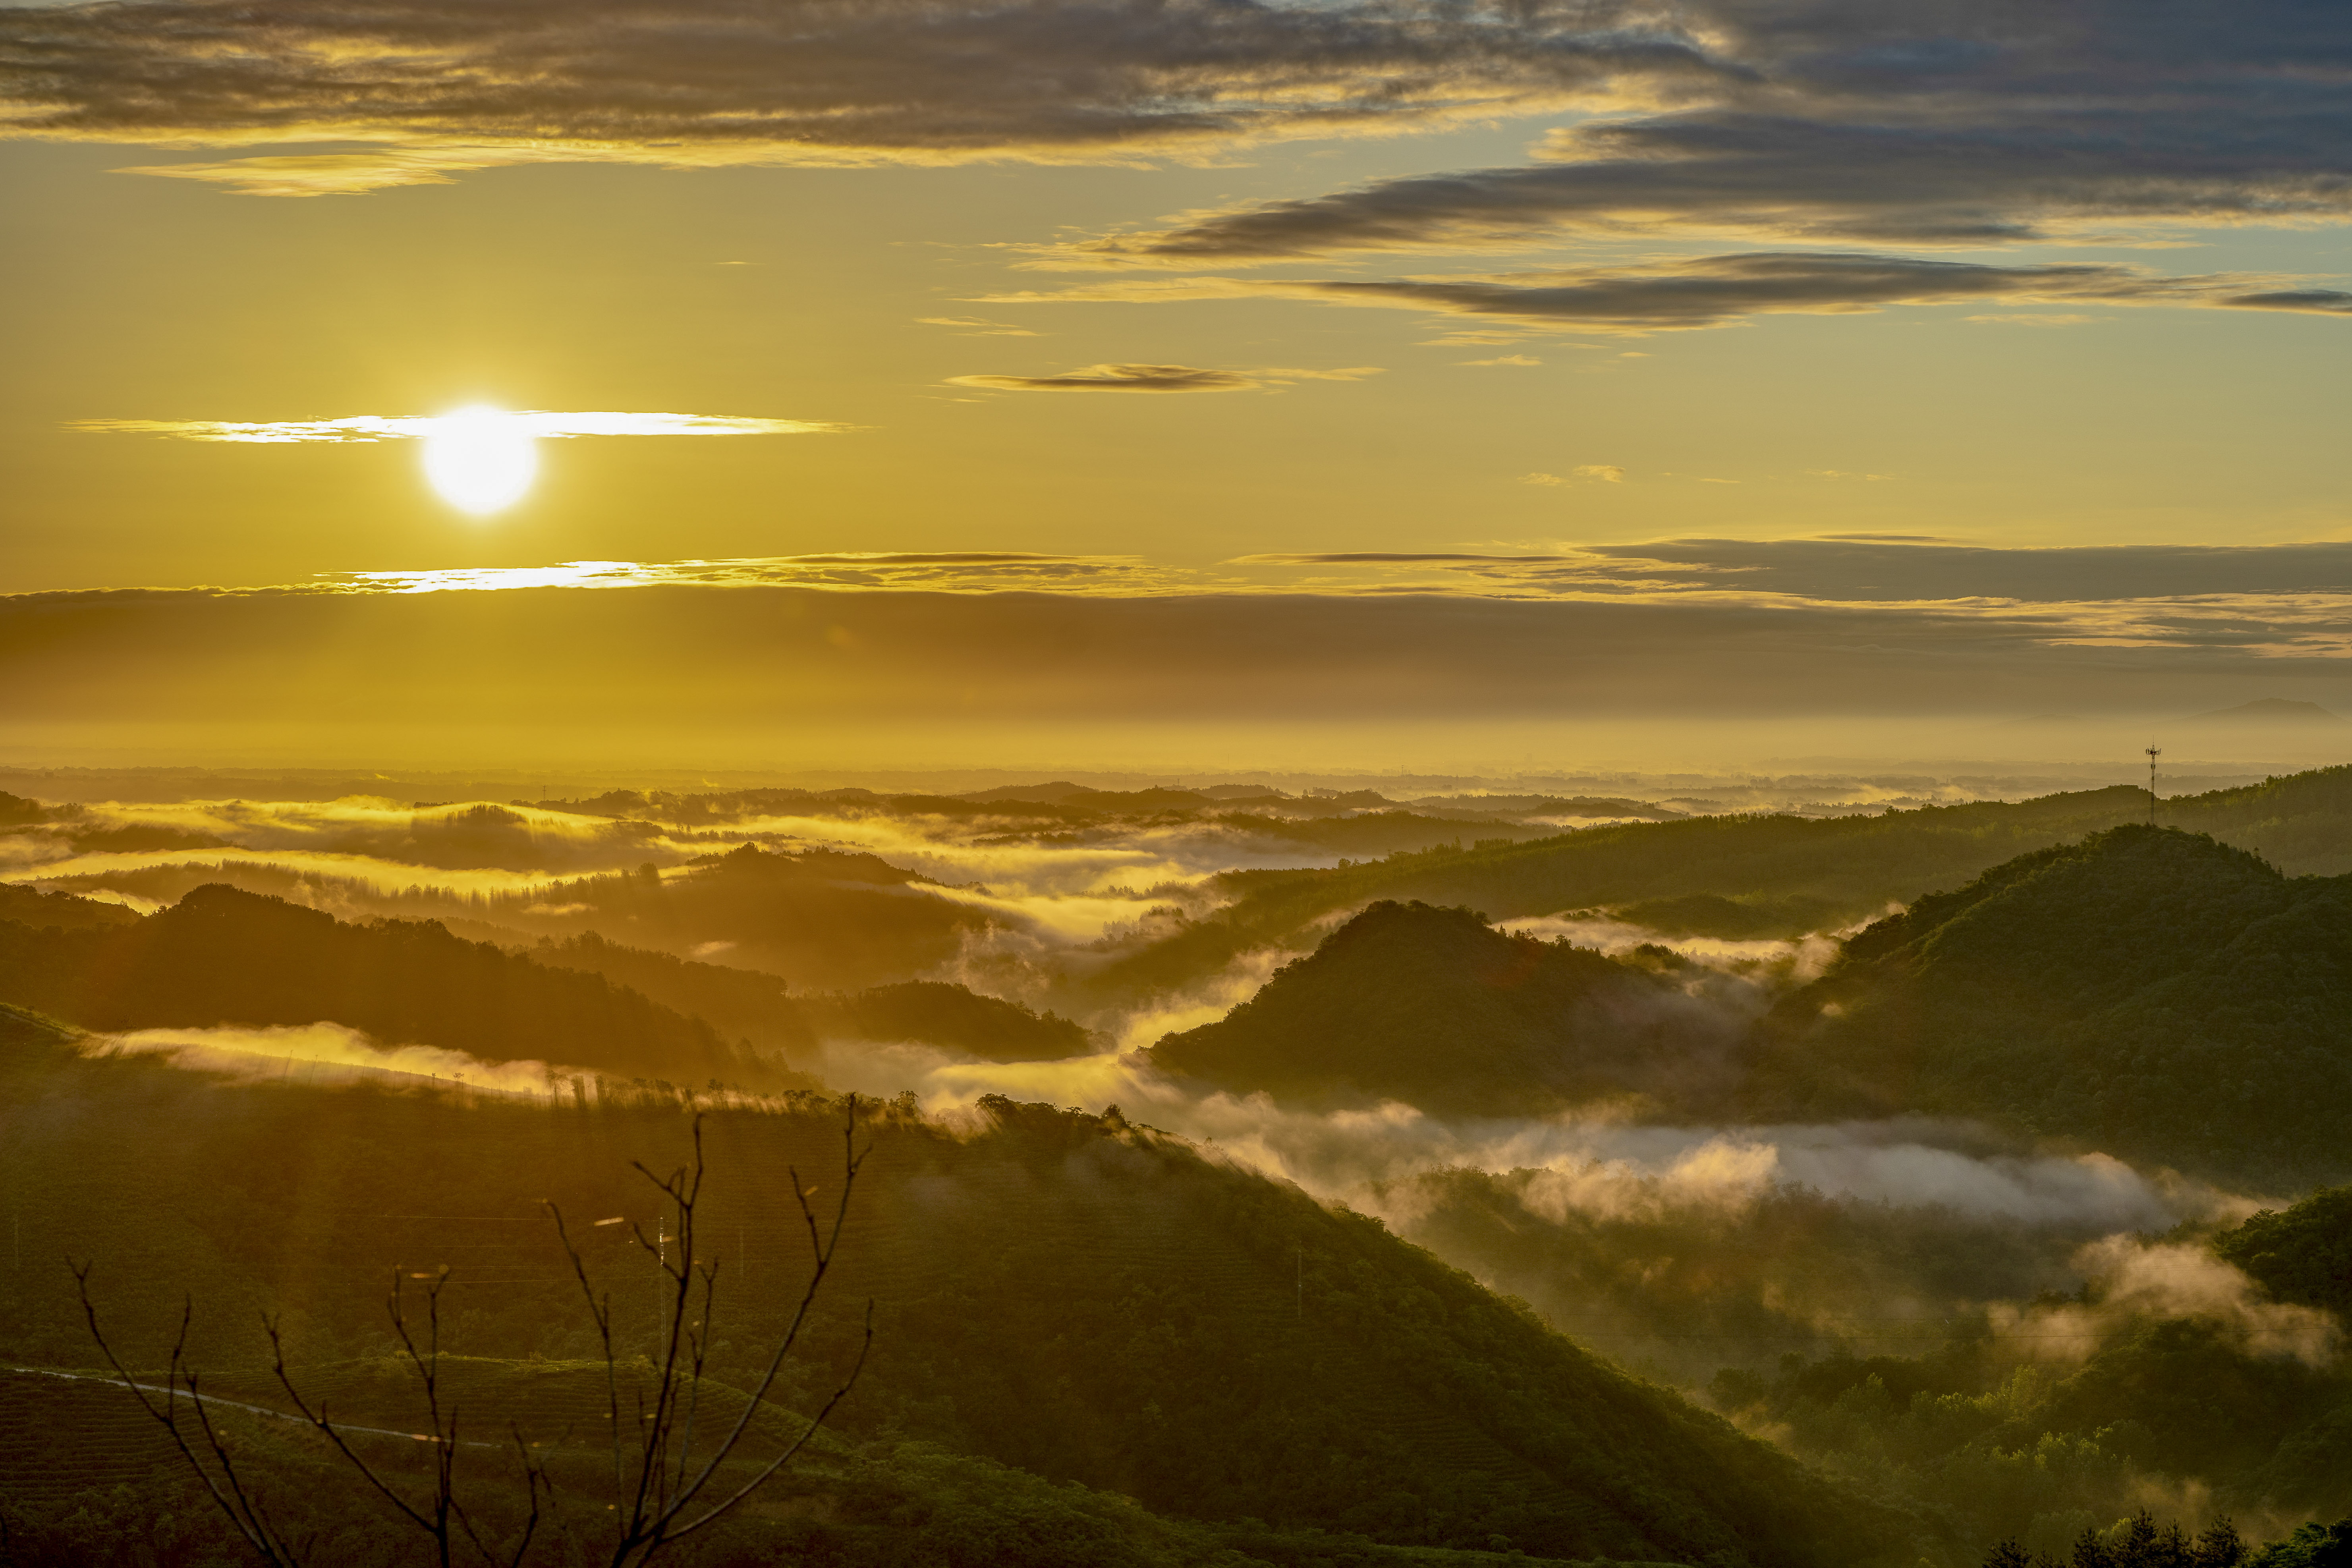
x=822 y=918
x=750 y=1005
x=1435 y=1007
x=952 y=1016
x=220 y=956
x=2154 y=992
x=31 y=906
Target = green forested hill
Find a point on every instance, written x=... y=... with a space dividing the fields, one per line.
x=2169 y=1397
x=1087 y=1301
x=2152 y=991
x=222 y=956
x=1435 y=1007
x=2303 y=1255
x=1796 y=873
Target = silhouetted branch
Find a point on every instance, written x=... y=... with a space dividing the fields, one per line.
x=663 y=1491
x=243 y=1509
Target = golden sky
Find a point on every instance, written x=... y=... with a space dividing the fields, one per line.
x=1125 y=300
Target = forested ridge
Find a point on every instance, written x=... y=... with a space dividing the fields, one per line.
x=1792 y=874
x=1435 y=1007
x=2147 y=991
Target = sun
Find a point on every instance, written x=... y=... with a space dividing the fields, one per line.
x=480 y=459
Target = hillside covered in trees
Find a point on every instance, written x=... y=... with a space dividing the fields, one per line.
x=2149 y=991
x=1782 y=875
x=1045 y=1284
x=1435 y=1007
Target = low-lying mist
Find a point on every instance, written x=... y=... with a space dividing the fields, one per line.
x=1685 y=1243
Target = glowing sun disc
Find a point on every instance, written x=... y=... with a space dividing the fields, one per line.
x=480 y=459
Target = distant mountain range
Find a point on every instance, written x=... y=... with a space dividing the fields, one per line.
x=2273 y=711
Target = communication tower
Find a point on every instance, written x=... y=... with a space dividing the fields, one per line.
x=2153 y=753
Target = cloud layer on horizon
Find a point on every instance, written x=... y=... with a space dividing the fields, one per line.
x=1676 y=630
x=1717 y=291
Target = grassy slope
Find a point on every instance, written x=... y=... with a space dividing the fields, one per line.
x=2157 y=993
x=1088 y=1302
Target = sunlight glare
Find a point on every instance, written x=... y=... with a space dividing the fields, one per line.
x=480 y=459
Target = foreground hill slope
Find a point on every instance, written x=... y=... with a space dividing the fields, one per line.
x=2152 y=991
x=1064 y=1293
x=1435 y=1007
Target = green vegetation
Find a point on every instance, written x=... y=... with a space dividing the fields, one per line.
x=2303 y=1256
x=1437 y=1009
x=2004 y=1439
x=1084 y=1300
x=2151 y=993
x=93 y=1482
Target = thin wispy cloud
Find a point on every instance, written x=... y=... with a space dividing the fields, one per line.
x=1719 y=290
x=429 y=91
x=532 y=423
x=944 y=571
x=1158 y=378
x=978 y=326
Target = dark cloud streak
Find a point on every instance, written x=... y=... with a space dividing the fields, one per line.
x=446 y=84
x=1712 y=292
x=1931 y=123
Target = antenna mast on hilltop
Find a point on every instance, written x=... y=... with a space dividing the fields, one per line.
x=2153 y=753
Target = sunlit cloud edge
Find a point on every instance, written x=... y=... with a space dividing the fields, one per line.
x=540 y=424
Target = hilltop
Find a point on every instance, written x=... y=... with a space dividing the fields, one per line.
x=1435 y=1007
x=2154 y=993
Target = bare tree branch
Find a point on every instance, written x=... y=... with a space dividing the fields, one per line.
x=241 y=1508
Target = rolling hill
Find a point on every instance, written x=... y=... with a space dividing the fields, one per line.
x=1087 y=1301
x=1435 y=1007
x=1791 y=875
x=220 y=956
x=2150 y=992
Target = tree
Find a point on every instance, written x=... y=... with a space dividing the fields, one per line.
x=664 y=1488
x=2219 y=1546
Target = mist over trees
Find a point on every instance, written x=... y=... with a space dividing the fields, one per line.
x=1976 y=1229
